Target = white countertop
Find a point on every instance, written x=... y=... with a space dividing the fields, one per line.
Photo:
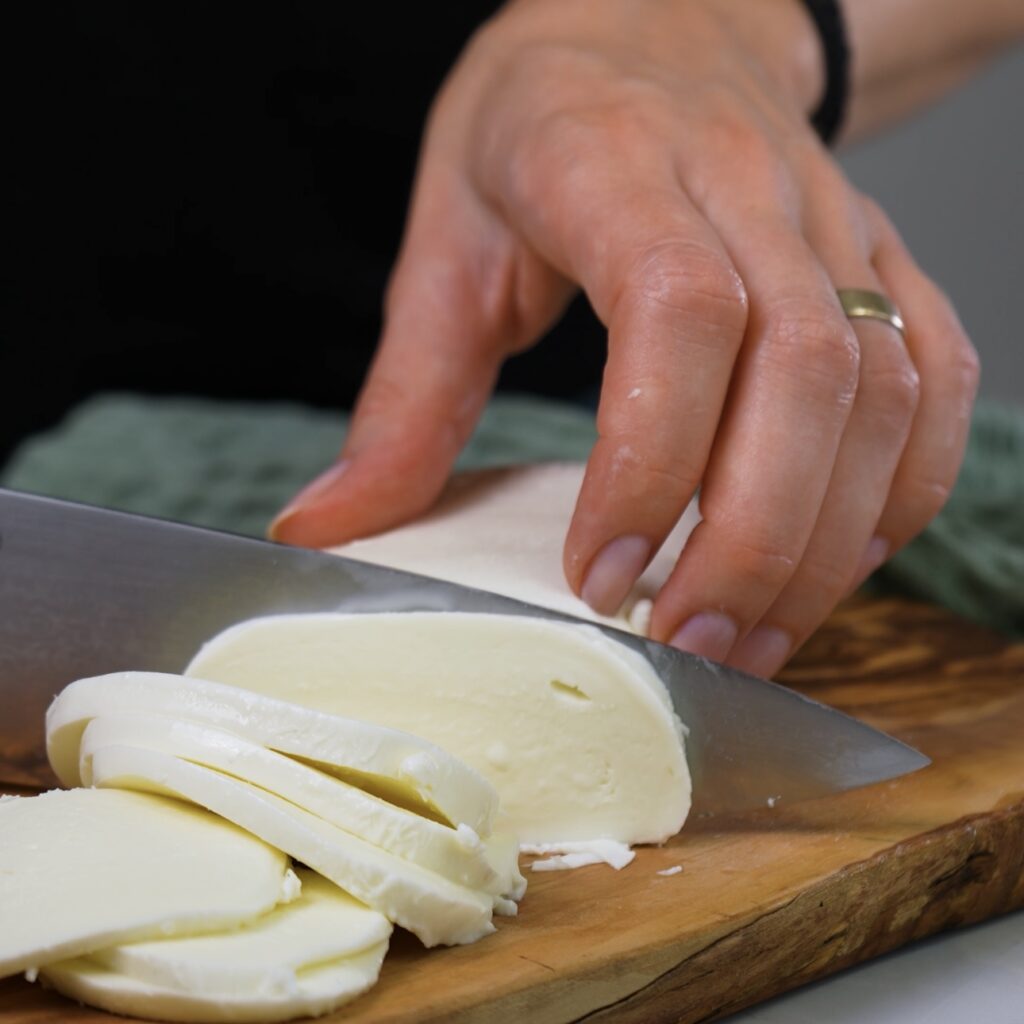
x=970 y=976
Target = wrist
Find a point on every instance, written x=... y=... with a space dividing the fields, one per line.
x=782 y=36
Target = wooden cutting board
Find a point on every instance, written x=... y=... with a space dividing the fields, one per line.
x=767 y=900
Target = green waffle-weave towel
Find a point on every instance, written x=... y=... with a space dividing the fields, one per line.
x=233 y=465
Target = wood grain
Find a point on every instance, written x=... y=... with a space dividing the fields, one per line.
x=767 y=900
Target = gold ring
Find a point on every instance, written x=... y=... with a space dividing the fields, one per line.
x=858 y=304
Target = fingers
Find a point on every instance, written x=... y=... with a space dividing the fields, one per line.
x=772 y=460
x=462 y=296
x=674 y=333
x=750 y=596
x=841 y=544
x=949 y=372
x=660 y=279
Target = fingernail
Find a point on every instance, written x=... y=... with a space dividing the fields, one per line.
x=613 y=572
x=308 y=496
x=763 y=652
x=874 y=555
x=709 y=634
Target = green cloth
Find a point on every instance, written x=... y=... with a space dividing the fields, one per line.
x=233 y=465
x=971 y=557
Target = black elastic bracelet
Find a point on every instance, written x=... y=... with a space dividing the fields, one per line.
x=828 y=20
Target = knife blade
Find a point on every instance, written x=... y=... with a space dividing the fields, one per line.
x=85 y=591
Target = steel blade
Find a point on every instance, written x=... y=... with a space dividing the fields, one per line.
x=85 y=591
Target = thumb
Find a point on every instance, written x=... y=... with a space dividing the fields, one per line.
x=451 y=319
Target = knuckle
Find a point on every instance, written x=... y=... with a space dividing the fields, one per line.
x=920 y=498
x=688 y=279
x=539 y=158
x=673 y=475
x=766 y=564
x=642 y=470
x=892 y=390
x=735 y=128
x=826 y=577
x=901 y=391
x=810 y=341
x=961 y=363
x=735 y=139
x=923 y=500
x=381 y=395
x=965 y=366
x=928 y=494
x=550 y=161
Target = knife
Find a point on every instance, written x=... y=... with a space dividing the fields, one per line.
x=85 y=591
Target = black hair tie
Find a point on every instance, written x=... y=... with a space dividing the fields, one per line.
x=828 y=20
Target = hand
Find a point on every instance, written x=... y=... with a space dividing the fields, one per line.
x=656 y=153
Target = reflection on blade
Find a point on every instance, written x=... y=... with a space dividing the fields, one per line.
x=85 y=591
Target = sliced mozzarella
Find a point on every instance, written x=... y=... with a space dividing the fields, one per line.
x=401 y=767
x=266 y=957
x=433 y=908
x=318 y=990
x=83 y=869
x=457 y=854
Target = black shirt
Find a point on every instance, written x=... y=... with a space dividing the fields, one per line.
x=207 y=199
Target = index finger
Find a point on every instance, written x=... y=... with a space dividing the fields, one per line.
x=453 y=313
x=661 y=281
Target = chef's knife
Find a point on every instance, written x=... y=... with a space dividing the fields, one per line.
x=85 y=591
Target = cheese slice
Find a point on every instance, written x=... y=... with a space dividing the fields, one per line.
x=459 y=855
x=82 y=869
x=318 y=990
x=503 y=530
x=266 y=957
x=575 y=731
x=401 y=767
x=435 y=909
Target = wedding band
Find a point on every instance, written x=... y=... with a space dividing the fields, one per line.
x=859 y=304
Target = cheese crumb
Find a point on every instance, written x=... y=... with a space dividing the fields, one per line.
x=640 y=616
x=579 y=853
x=674 y=870
x=291 y=887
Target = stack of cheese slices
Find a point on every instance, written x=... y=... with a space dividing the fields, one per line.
x=186 y=908
x=399 y=759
